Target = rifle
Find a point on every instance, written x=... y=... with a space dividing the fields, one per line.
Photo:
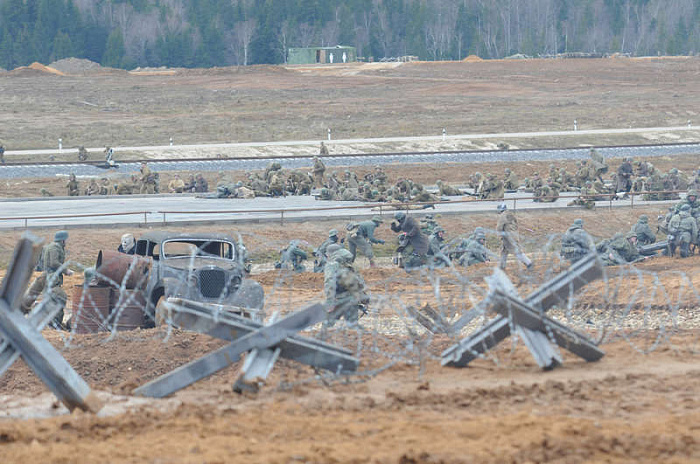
x=652 y=248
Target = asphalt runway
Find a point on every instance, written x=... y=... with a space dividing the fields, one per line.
x=71 y=212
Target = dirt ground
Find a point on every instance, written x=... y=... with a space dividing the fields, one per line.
x=358 y=100
x=639 y=403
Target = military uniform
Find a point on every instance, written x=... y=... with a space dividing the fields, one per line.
x=363 y=238
x=319 y=170
x=684 y=229
x=292 y=257
x=510 y=182
x=447 y=190
x=321 y=252
x=644 y=234
x=414 y=239
x=343 y=287
x=475 y=251
x=507 y=228
x=72 y=186
x=148 y=180
x=621 y=249
x=576 y=242
x=436 y=254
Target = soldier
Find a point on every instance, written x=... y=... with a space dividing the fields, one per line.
x=319 y=169
x=598 y=166
x=323 y=151
x=321 y=252
x=350 y=180
x=436 y=245
x=82 y=153
x=52 y=261
x=576 y=242
x=72 y=186
x=446 y=189
x=363 y=238
x=45 y=193
x=292 y=257
x=343 y=287
x=691 y=199
x=2 y=153
x=621 y=249
x=104 y=187
x=380 y=175
x=176 y=185
x=507 y=228
x=148 y=180
x=92 y=188
x=624 y=176
x=535 y=184
x=684 y=230
x=126 y=187
x=415 y=239
x=510 y=181
x=476 y=251
x=428 y=224
x=190 y=184
x=644 y=234
x=127 y=244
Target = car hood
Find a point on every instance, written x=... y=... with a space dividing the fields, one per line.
x=198 y=263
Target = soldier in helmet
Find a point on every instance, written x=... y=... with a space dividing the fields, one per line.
x=510 y=181
x=321 y=252
x=363 y=237
x=292 y=257
x=476 y=251
x=52 y=261
x=645 y=236
x=576 y=242
x=415 y=239
x=319 y=169
x=684 y=229
x=72 y=186
x=507 y=228
x=344 y=287
x=621 y=249
x=436 y=245
x=446 y=189
x=691 y=199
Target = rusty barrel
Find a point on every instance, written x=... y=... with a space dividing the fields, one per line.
x=128 y=271
x=90 y=308
x=128 y=308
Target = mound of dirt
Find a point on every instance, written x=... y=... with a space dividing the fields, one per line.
x=75 y=65
x=472 y=59
x=36 y=68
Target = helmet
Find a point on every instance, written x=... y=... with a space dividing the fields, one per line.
x=631 y=234
x=60 y=235
x=479 y=230
x=501 y=207
x=480 y=236
x=400 y=216
x=438 y=182
x=644 y=218
x=692 y=193
x=377 y=219
x=578 y=222
x=341 y=255
x=333 y=233
x=685 y=207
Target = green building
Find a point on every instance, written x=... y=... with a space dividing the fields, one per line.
x=321 y=55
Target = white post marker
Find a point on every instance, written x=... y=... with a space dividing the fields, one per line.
x=444 y=134
x=688 y=122
x=171 y=141
x=329 y=134
x=60 y=144
x=575 y=125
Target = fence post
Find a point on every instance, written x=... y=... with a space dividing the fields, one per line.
x=282 y=217
x=145 y=218
x=514 y=202
x=26 y=223
x=632 y=201
x=164 y=218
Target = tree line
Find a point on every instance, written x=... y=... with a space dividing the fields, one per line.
x=206 y=33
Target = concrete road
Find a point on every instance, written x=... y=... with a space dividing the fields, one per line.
x=188 y=209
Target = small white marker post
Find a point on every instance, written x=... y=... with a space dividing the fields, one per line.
x=60 y=145
x=688 y=122
x=444 y=134
x=329 y=134
x=171 y=141
x=575 y=125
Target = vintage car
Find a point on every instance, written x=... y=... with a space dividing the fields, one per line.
x=207 y=268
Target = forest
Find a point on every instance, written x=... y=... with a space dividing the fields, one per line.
x=207 y=33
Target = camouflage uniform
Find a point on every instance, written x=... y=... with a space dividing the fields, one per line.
x=446 y=189
x=576 y=242
x=321 y=252
x=507 y=228
x=292 y=257
x=510 y=182
x=148 y=180
x=644 y=234
x=72 y=186
x=363 y=238
x=343 y=287
x=53 y=257
x=684 y=229
x=476 y=252
x=436 y=255
x=414 y=239
x=319 y=170
x=621 y=249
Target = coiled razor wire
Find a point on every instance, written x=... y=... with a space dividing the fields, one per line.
x=645 y=308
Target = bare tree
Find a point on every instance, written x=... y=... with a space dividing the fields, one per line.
x=306 y=34
x=329 y=34
x=244 y=31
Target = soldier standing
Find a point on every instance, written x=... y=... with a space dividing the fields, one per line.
x=507 y=228
x=292 y=256
x=323 y=151
x=415 y=239
x=319 y=170
x=148 y=180
x=343 y=287
x=684 y=229
x=321 y=252
x=82 y=153
x=52 y=261
x=363 y=238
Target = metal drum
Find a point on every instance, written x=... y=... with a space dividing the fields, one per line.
x=129 y=271
x=128 y=308
x=90 y=309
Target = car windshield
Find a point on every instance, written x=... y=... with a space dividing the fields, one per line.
x=197 y=248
